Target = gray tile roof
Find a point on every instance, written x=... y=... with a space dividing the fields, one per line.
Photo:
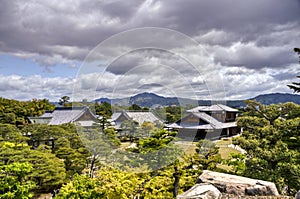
x=62 y=115
x=209 y=119
x=142 y=117
x=115 y=116
x=138 y=116
x=215 y=107
x=212 y=123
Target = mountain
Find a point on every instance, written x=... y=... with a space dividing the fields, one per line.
x=148 y=100
x=151 y=99
x=275 y=98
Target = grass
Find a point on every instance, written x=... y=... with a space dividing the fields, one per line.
x=188 y=147
x=224 y=150
x=125 y=144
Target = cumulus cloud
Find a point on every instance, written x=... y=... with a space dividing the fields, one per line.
x=26 y=88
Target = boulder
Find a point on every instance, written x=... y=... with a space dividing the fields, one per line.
x=238 y=185
x=297 y=196
x=201 y=191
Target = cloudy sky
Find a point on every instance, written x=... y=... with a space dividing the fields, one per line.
x=195 y=48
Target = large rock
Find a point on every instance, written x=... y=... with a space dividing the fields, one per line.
x=238 y=185
x=297 y=196
x=201 y=191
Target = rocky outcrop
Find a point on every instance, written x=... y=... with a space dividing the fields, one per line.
x=201 y=191
x=238 y=185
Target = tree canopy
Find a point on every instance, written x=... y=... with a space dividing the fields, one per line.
x=271 y=137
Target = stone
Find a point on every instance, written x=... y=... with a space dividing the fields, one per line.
x=238 y=185
x=297 y=196
x=201 y=191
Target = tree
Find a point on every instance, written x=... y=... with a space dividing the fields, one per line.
x=154 y=152
x=64 y=100
x=47 y=170
x=100 y=145
x=104 y=109
x=207 y=154
x=296 y=85
x=135 y=107
x=130 y=129
x=74 y=159
x=14 y=181
x=168 y=177
x=146 y=128
x=9 y=132
x=297 y=50
x=237 y=161
x=81 y=187
x=271 y=138
x=108 y=183
x=17 y=113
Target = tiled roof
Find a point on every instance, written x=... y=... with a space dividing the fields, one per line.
x=142 y=117
x=62 y=115
x=215 y=107
x=115 y=116
x=212 y=123
x=209 y=119
x=138 y=116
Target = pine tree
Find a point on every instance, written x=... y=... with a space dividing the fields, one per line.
x=296 y=85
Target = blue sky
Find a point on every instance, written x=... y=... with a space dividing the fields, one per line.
x=12 y=65
x=49 y=49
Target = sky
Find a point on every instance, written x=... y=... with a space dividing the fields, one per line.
x=200 y=49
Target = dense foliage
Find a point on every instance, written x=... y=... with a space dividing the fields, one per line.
x=93 y=163
x=271 y=137
x=14 y=181
x=17 y=112
x=169 y=114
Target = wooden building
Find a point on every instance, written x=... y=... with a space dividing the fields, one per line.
x=207 y=122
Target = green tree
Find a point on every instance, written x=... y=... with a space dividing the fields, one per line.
x=17 y=113
x=270 y=137
x=173 y=113
x=154 y=152
x=130 y=129
x=207 y=154
x=237 y=161
x=135 y=107
x=10 y=132
x=108 y=183
x=104 y=109
x=47 y=170
x=64 y=100
x=296 y=85
x=146 y=129
x=100 y=145
x=14 y=181
x=74 y=159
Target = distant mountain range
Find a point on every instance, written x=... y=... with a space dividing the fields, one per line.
x=151 y=100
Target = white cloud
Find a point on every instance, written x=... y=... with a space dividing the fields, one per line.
x=249 y=45
x=26 y=88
